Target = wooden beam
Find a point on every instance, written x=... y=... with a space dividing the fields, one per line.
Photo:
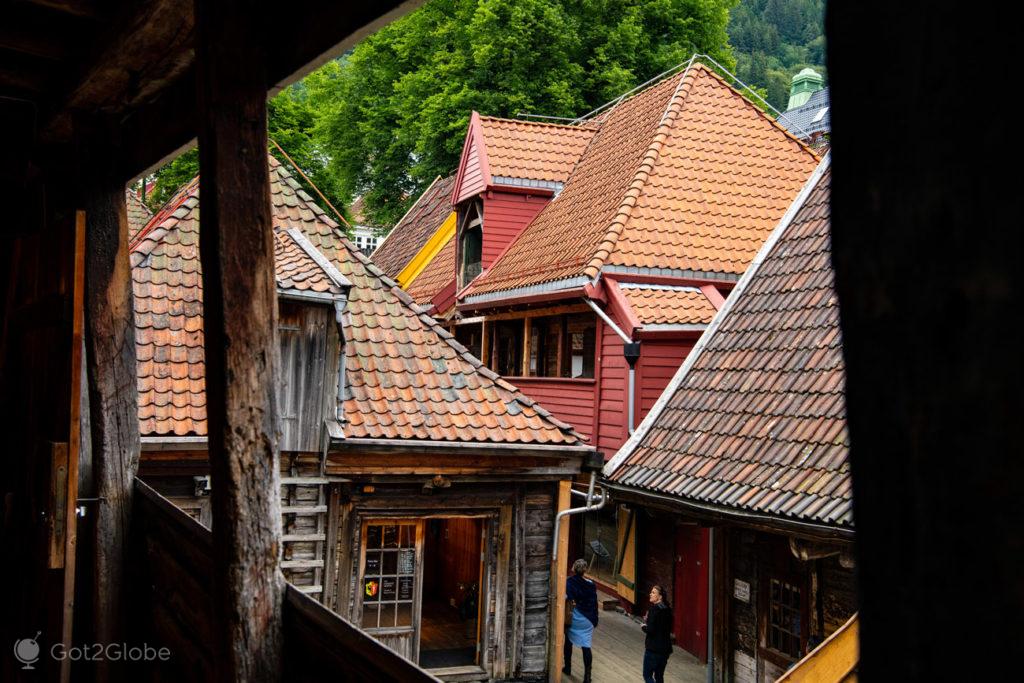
x=556 y=635
x=110 y=360
x=240 y=309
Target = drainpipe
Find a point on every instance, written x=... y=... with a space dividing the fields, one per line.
x=594 y=463
x=339 y=320
x=631 y=351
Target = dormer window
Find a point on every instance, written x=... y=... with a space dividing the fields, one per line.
x=471 y=242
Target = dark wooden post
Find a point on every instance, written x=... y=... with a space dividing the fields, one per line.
x=113 y=397
x=240 y=310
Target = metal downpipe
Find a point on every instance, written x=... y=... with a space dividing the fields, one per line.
x=575 y=511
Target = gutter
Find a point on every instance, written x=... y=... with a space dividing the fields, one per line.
x=631 y=351
x=346 y=445
x=719 y=512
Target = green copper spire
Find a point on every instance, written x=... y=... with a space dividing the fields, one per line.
x=805 y=83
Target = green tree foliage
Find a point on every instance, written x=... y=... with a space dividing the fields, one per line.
x=775 y=39
x=290 y=121
x=393 y=114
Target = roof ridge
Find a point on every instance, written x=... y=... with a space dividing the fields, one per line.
x=611 y=236
x=415 y=204
x=583 y=125
x=435 y=326
x=763 y=114
x=166 y=218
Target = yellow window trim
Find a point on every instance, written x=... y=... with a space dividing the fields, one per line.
x=427 y=253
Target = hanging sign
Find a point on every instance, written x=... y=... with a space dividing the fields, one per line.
x=741 y=590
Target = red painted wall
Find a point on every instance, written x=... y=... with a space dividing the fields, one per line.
x=659 y=361
x=472 y=176
x=571 y=401
x=612 y=416
x=505 y=216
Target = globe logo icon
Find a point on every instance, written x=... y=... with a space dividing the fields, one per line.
x=26 y=651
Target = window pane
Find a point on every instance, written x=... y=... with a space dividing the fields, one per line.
x=372 y=563
x=408 y=536
x=389 y=564
x=600 y=543
x=404 y=616
x=369 y=616
x=391 y=536
x=580 y=345
x=388 y=588
x=373 y=536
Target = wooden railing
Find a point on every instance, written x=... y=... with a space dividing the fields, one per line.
x=171 y=567
x=834 y=661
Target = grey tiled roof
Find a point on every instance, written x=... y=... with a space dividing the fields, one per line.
x=811 y=117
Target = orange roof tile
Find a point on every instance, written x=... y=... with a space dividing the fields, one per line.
x=756 y=418
x=407 y=377
x=665 y=305
x=438 y=274
x=685 y=175
x=416 y=227
x=530 y=150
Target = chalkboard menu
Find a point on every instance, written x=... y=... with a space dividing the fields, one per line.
x=407 y=561
x=405 y=588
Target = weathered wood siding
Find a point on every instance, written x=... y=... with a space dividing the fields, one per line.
x=539 y=524
x=472 y=181
x=516 y=646
x=571 y=401
x=831 y=600
x=309 y=358
x=505 y=216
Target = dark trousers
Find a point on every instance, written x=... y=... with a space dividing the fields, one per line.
x=654 y=667
x=588 y=658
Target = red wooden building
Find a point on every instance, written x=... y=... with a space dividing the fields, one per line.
x=589 y=257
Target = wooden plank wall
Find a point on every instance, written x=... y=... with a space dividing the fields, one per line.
x=659 y=361
x=505 y=216
x=611 y=398
x=306 y=382
x=571 y=401
x=472 y=175
x=539 y=519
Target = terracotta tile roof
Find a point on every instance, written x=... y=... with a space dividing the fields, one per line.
x=531 y=150
x=438 y=274
x=665 y=305
x=407 y=378
x=685 y=175
x=169 y=312
x=755 y=419
x=138 y=213
x=412 y=232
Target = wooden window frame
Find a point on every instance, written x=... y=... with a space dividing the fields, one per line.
x=773 y=571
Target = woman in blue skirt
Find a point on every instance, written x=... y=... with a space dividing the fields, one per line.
x=580 y=622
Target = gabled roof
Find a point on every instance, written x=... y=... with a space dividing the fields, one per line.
x=810 y=117
x=438 y=274
x=684 y=178
x=755 y=419
x=407 y=378
x=421 y=221
x=169 y=311
x=667 y=304
x=138 y=213
x=531 y=150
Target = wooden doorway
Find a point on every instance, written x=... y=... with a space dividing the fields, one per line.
x=690 y=600
x=452 y=576
x=420 y=585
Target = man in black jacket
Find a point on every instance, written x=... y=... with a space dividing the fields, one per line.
x=658 y=644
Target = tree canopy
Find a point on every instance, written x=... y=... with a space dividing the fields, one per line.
x=393 y=114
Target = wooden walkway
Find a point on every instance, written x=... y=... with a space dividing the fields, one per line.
x=619 y=655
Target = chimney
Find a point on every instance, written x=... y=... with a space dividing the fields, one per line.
x=805 y=84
